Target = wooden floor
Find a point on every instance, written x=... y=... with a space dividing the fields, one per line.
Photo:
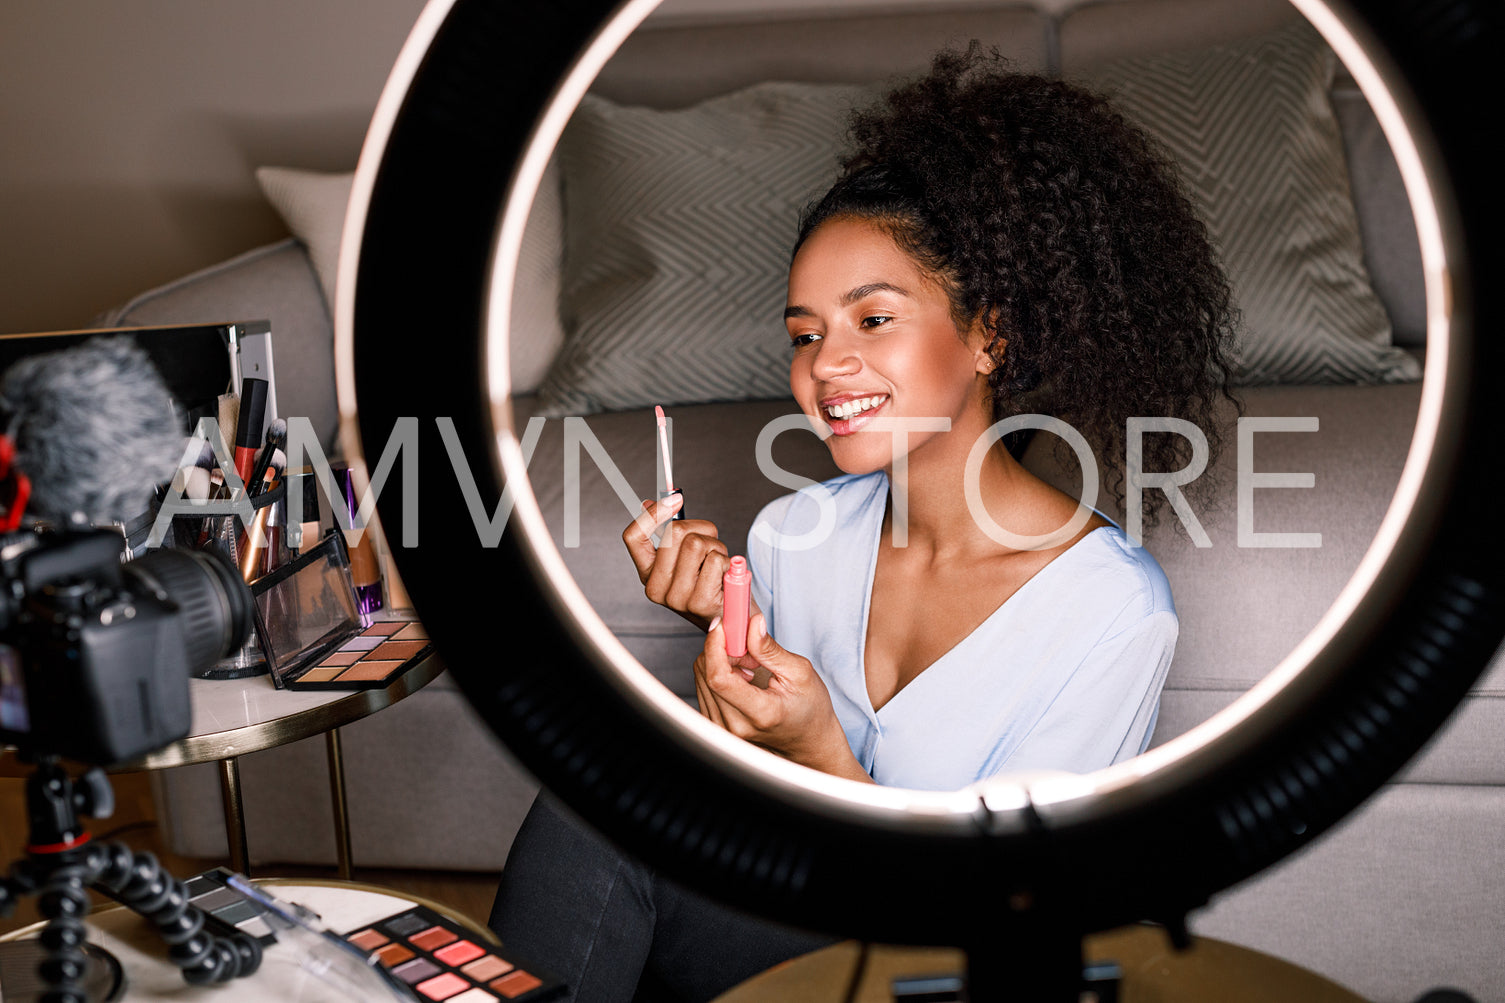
x=134 y=823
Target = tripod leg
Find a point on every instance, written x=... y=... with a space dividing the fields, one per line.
x=63 y=901
x=138 y=881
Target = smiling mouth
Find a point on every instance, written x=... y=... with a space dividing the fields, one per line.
x=849 y=409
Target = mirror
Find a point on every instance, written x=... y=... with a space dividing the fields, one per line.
x=663 y=172
x=1153 y=836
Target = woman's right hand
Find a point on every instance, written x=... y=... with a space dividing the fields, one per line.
x=684 y=571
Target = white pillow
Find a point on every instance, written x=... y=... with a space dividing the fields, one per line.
x=313 y=203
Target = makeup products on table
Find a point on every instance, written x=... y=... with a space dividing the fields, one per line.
x=302 y=937
x=248 y=424
x=227 y=910
x=442 y=961
x=663 y=450
x=736 y=606
x=314 y=635
x=276 y=536
x=365 y=566
x=307 y=530
x=276 y=439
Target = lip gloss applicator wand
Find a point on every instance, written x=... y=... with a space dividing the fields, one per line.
x=663 y=447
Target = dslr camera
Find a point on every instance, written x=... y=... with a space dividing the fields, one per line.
x=96 y=652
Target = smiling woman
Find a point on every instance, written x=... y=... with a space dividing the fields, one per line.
x=998 y=241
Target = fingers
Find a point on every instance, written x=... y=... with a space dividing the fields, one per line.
x=683 y=571
x=728 y=684
x=686 y=571
x=638 y=536
x=709 y=707
x=696 y=582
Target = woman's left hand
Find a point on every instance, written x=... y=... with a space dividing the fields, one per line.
x=792 y=717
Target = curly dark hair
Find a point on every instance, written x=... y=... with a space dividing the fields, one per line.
x=1064 y=229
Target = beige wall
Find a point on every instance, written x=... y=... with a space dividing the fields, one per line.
x=129 y=130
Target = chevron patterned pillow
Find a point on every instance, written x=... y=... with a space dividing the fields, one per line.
x=1252 y=128
x=678 y=228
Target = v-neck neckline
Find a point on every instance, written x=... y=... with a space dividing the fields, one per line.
x=875 y=540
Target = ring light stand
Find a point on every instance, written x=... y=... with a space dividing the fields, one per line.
x=472 y=109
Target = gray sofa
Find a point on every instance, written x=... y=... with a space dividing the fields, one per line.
x=1406 y=895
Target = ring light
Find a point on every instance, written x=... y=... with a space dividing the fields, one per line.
x=474 y=106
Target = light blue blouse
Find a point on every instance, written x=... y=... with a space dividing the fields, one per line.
x=1066 y=674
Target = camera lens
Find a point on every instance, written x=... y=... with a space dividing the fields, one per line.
x=211 y=597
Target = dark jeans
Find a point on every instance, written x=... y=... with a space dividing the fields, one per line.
x=616 y=931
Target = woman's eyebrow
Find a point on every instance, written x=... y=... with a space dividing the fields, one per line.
x=872 y=287
x=850 y=297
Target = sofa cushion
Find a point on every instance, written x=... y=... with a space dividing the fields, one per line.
x=1092 y=34
x=312 y=204
x=678 y=229
x=1400 y=899
x=1252 y=129
x=1392 y=251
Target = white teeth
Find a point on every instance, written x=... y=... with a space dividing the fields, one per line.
x=851 y=408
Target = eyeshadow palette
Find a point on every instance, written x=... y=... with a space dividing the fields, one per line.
x=315 y=638
x=440 y=960
x=226 y=910
x=370 y=659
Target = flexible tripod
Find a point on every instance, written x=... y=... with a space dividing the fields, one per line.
x=62 y=863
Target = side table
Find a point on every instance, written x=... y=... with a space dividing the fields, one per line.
x=234 y=717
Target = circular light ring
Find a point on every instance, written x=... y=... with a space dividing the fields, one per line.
x=1151 y=838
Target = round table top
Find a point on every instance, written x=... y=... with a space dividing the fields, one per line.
x=1152 y=971
x=232 y=717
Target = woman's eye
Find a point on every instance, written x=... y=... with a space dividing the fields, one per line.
x=877 y=320
x=801 y=340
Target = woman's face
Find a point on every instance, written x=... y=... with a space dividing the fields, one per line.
x=873 y=336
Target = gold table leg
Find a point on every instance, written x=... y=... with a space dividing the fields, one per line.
x=337 y=795
x=235 y=814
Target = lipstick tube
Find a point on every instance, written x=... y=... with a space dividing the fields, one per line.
x=736 y=606
x=365 y=568
x=253 y=409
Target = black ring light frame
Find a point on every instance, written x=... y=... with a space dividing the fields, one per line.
x=472 y=110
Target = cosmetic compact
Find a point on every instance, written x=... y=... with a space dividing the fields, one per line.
x=441 y=960
x=315 y=636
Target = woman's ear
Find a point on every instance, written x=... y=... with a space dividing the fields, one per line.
x=988 y=349
x=987 y=343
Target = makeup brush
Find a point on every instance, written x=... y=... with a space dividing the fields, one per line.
x=663 y=447
x=276 y=439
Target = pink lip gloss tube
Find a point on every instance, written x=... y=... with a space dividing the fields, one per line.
x=736 y=604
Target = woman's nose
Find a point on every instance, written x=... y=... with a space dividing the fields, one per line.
x=835 y=356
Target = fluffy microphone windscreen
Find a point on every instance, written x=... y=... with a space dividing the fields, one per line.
x=94 y=427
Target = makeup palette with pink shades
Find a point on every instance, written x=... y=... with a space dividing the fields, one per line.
x=439 y=960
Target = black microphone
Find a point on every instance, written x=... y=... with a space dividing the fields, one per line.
x=94 y=428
